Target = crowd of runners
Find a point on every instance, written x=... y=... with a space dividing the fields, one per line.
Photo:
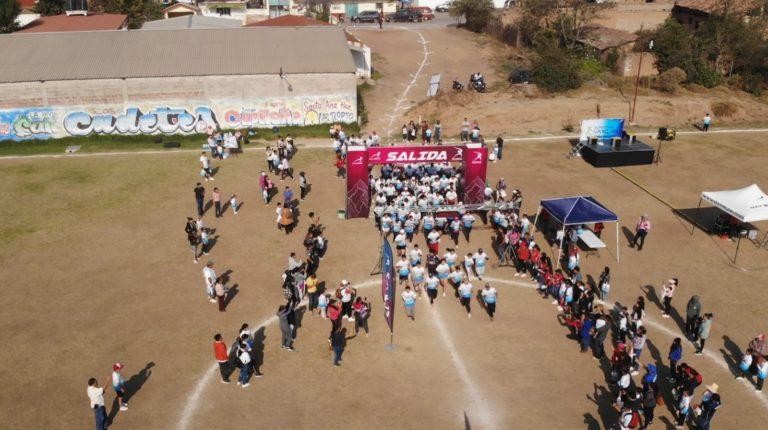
x=407 y=201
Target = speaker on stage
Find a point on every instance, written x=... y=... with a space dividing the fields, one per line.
x=592 y=140
x=616 y=142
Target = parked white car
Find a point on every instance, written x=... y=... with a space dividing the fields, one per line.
x=443 y=7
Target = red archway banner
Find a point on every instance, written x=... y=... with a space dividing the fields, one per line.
x=474 y=159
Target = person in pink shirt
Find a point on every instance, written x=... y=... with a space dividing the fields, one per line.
x=641 y=230
x=216 y=197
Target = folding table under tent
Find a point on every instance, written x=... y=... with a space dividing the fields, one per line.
x=576 y=211
x=748 y=204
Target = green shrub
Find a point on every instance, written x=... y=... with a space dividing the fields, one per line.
x=556 y=71
x=669 y=81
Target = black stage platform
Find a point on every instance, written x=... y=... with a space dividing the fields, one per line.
x=626 y=154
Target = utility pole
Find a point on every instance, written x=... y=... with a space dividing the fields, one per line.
x=637 y=80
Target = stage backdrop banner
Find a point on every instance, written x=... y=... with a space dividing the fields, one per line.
x=388 y=284
x=415 y=154
x=475 y=166
x=358 y=194
x=603 y=129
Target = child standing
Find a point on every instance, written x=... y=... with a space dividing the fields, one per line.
x=118 y=383
x=233 y=203
x=322 y=304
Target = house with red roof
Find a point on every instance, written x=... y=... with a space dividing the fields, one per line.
x=76 y=22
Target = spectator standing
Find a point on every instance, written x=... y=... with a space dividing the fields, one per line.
x=692 y=312
x=209 y=275
x=244 y=357
x=362 y=309
x=303 y=185
x=704 y=328
x=675 y=355
x=667 y=291
x=221 y=356
x=499 y=147
x=96 y=398
x=205 y=165
x=200 y=199
x=710 y=403
x=706 y=122
x=338 y=342
x=641 y=231
x=286 y=329
x=216 y=197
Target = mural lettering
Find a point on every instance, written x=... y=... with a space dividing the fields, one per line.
x=27 y=124
x=159 y=120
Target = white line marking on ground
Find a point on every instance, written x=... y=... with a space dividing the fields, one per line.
x=660 y=327
x=413 y=81
x=187 y=414
x=483 y=416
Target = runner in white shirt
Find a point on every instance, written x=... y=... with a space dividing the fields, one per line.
x=465 y=296
x=409 y=299
x=403 y=270
x=451 y=257
x=480 y=258
x=442 y=270
x=489 y=299
x=415 y=255
x=417 y=277
x=432 y=283
x=209 y=275
x=206 y=167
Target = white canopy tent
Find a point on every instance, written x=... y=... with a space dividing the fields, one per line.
x=748 y=204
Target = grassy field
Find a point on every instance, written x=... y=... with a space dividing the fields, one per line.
x=108 y=143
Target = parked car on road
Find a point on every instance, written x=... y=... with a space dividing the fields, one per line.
x=406 y=15
x=426 y=12
x=444 y=7
x=367 y=16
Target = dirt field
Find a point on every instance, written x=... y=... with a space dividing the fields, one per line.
x=99 y=271
x=397 y=97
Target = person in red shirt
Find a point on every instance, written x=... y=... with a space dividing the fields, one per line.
x=340 y=173
x=523 y=255
x=220 y=353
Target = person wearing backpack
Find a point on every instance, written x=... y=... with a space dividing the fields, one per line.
x=649 y=404
x=629 y=418
x=244 y=358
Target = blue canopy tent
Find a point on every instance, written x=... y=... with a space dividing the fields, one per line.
x=576 y=211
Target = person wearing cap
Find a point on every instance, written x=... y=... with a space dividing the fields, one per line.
x=118 y=383
x=641 y=230
x=96 y=398
x=710 y=402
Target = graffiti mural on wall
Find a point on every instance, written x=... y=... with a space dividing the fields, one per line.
x=23 y=124
x=174 y=117
x=291 y=112
x=159 y=120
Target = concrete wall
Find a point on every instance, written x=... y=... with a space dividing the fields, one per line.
x=173 y=105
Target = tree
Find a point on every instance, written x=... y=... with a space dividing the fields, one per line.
x=574 y=16
x=475 y=12
x=50 y=7
x=554 y=69
x=138 y=11
x=9 y=11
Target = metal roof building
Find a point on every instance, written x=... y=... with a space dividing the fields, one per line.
x=174 y=81
x=144 y=54
x=191 y=22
